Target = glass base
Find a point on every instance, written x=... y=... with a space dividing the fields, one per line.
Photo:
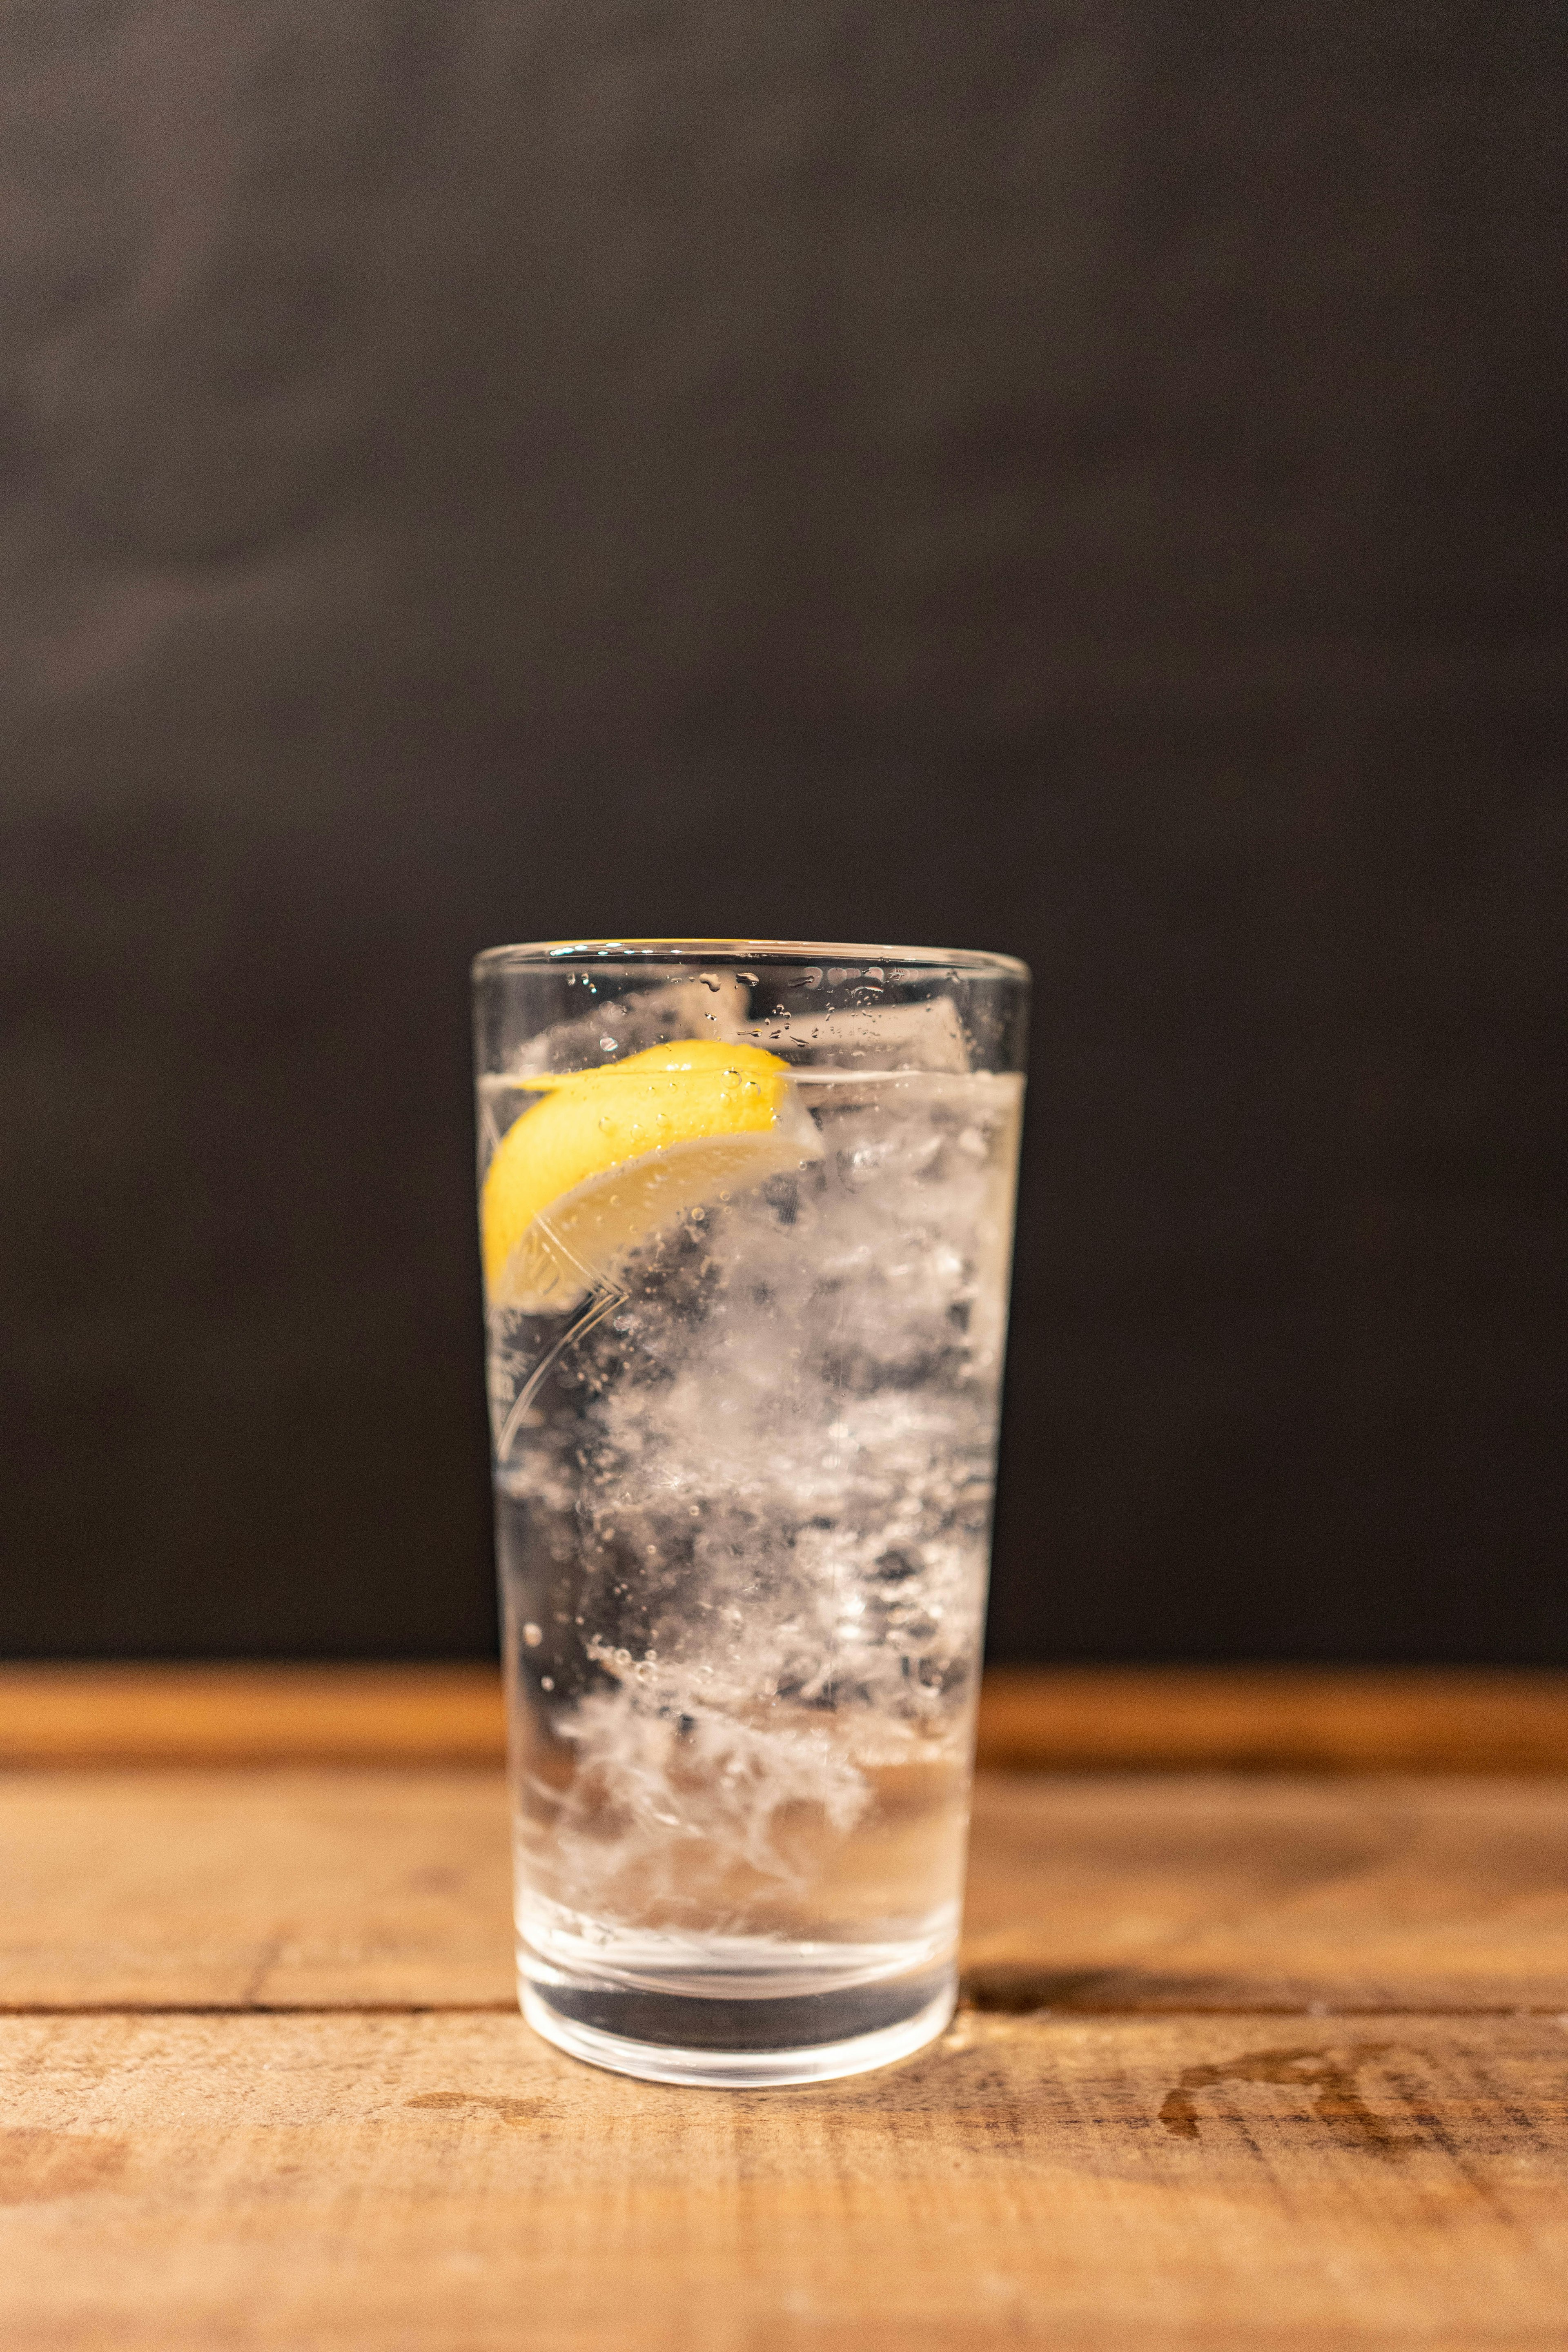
x=724 y=2044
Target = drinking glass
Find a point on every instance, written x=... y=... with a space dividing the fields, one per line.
x=746 y=1212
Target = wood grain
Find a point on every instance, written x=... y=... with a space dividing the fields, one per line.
x=447 y=2184
x=1031 y=1717
x=342 y=1888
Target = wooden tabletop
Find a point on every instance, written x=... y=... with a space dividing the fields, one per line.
x=1255 y=2059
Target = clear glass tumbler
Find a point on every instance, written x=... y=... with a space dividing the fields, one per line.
x=746 y=1212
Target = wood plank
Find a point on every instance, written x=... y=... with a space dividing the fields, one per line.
x=1032 y=1718
x=222 y=1888
x=448 y=2184
x=1130 y=1893
x=1123 y=1893
x=250 y=1715
x=1274 y=1718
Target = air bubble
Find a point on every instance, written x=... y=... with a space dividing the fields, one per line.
x=533 y=1636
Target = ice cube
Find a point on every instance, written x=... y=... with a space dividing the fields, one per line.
x=927 y=1037
x=713 y=1005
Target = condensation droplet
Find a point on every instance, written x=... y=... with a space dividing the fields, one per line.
x=533 y=1636
x=547 y=1682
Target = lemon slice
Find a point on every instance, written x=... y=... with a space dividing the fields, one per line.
x=608 y=1156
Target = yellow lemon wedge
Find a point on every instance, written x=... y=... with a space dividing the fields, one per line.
x=608 y=1156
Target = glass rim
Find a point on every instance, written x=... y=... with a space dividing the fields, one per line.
x=545 y=954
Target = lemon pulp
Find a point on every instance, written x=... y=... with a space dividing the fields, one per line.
x=608 y=1156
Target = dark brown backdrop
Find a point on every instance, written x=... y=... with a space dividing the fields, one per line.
x=1086 y=478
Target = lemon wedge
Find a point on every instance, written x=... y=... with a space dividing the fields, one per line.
x=608 y=1156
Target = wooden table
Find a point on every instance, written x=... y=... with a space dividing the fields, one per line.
x=1267 y=2060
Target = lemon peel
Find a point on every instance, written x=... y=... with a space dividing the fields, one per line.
x=608 y=1156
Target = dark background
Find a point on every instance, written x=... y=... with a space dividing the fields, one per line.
x=1088 y=479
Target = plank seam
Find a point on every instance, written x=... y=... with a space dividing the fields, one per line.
x=1314 y=2015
